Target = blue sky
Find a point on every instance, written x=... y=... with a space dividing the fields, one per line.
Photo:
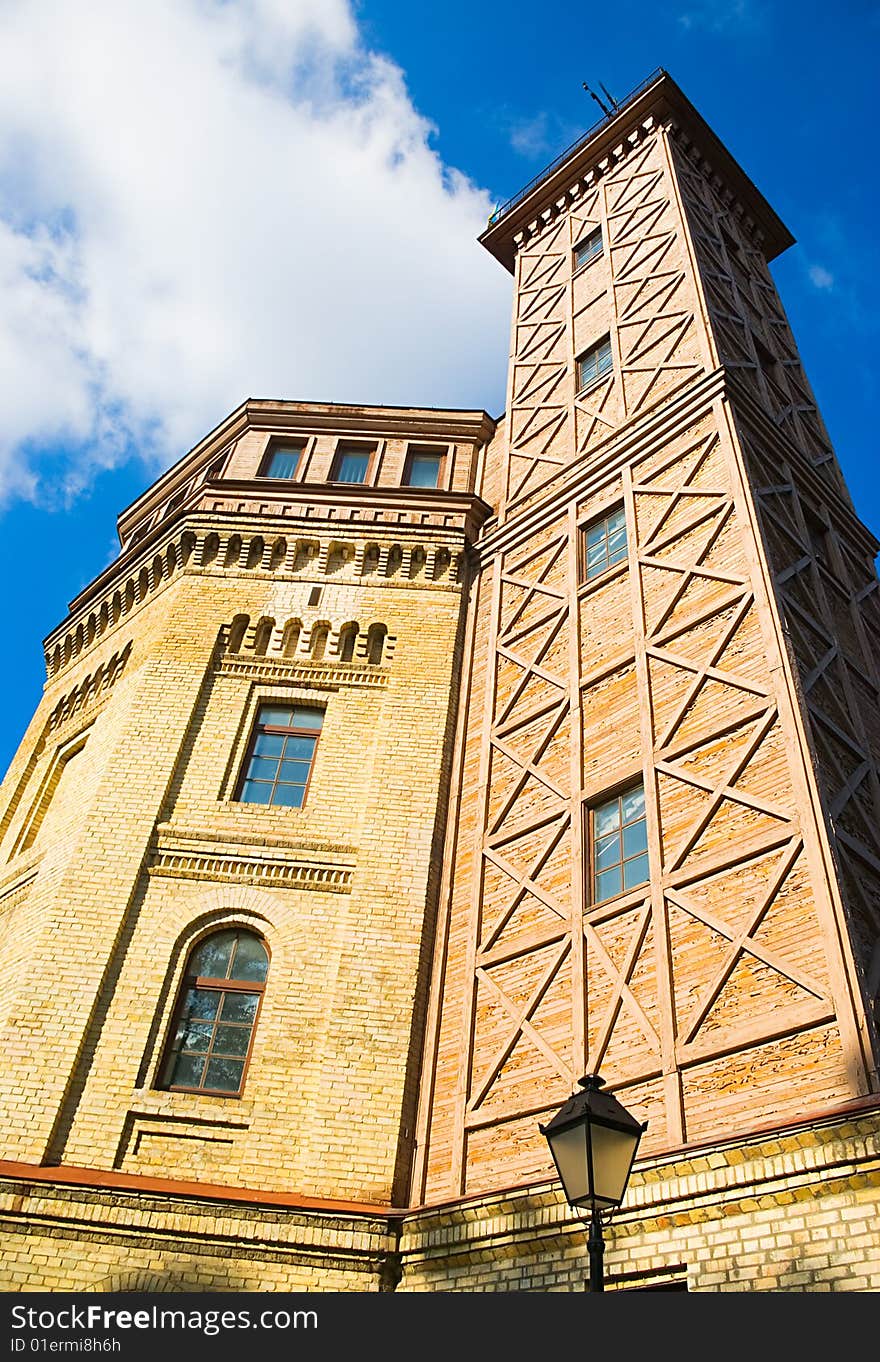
x=201 y=201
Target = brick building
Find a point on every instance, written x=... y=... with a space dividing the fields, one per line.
x=408 y=763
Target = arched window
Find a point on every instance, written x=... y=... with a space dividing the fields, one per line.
x=216 y=1014
x=376 y=644
x=348 y=636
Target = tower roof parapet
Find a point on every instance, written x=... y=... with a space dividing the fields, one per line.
x=656 y=100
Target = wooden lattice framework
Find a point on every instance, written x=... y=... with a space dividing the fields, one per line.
x=729 y=665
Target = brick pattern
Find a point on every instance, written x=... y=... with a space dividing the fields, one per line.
x=792 y=1211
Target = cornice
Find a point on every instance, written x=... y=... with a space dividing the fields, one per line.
x=660 y=103
x=640 y=437
x=309 y=507
x=200 y=857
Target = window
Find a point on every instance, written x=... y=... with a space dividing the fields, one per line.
x=216 y=1014
x=594 y=364
x=280 y=756
x=348 y=636
x=282 y=460
x=604 y=544
x=620 y=844
x=351 y=463
x=588 y=249
x=423 y=467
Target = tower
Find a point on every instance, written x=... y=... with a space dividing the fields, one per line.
x=408 y=763
x=668 y=790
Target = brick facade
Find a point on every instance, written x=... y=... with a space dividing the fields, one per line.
x=442 y=965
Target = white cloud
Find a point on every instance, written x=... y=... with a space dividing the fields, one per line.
x=531 y=137
x=724 y=16
x=206 y=200
x=820 y=277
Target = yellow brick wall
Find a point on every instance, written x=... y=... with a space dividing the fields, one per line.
x=108 y=918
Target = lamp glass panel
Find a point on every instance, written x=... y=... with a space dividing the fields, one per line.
x=569 y=1149
x=613 y=1153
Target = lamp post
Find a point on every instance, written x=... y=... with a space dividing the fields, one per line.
x=593 y=1140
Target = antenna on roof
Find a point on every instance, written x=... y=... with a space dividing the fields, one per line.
x=610 y=96
x=606 y=111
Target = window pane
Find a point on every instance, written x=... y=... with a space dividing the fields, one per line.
x=186 y=1072
x=635 y=838
x=211 y=957
x=635 y=871
x=276 y=716
x=607 y=884
x=294 y=772
x=424 y=470
x=297 y=749
x=269 y=745
x=239 y=1007
x=283 y=462
x=289 y=796
x=352 y=466
x=634 y=804
x=595 y=362
x=251 y=960
x=200 y=1003
x=607 y=817
x=608 y=851
x=231 y=1040
x=256 y=792
x=262 y=768
x=307 y=718
x=193 y=1035
x=606 y=543
x=590 y=247
x=224 y=1074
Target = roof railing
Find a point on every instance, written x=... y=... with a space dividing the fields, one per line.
x=505 y=208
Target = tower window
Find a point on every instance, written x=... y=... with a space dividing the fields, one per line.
x=423 y=467
x=604 y=544
x=620 y=844
x=280 y=755
x=351 y=463
x=282 y=460
x=594 y=364
x=587 y=249
x=216 y=1014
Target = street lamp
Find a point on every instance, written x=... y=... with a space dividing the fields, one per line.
x=593 y=1140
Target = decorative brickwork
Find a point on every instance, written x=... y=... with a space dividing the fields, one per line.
x=483 y=685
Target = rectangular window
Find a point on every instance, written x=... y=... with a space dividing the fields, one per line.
x=588 y=249
x=282 y=460
x=594 y=364
x=423 y=467
x=280 y=756
x=351 y=463
x=604 y=544
x=620 y=844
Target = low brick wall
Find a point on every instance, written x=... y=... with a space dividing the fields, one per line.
x=798 y=1210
